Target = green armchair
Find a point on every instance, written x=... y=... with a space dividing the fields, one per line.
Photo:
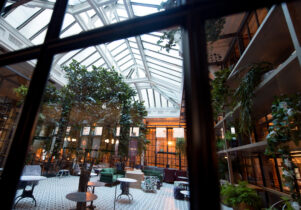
x=152 y=172
x=110 y=175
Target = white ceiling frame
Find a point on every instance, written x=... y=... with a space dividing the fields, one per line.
x=71 y=9
x=130 y=12
x=132 y=55
x=80 y=21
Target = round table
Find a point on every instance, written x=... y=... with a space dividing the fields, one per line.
x=81 y=197
x=93 y=185
x=124 y=186
x=185 y=192
x=183 y=177
x=28 y=180
x=185 y=184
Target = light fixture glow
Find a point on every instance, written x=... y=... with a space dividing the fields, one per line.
x=232 y=130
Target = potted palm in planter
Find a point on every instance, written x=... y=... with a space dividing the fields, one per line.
x=180 y=148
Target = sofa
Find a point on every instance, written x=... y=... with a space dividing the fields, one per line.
x=154 y=171
x=110 y=175
x=171 y=175
x=180 y=174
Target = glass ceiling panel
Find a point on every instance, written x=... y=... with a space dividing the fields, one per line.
x=157 y=99
x=163 y=57
x=154 y=39
x=127 y=65
x=67 y=20
x=151 y=97
x=164 y=101
x=158 y=48
x=144 y=97
x=111 y=46
x=122 y=54
x=167 y=76
x=144 y=10
x=164 y=63
x=141 y=73
x=109 y=12
x=142 y=53
x=67 y=56
x=91 y=59
x=40 y=38
x=20 y=15
x=99 y=63
x=124 y=60
x=167 y=71
x=36 y=24
x=119 y=49
x=72 y=30
x=164 y=78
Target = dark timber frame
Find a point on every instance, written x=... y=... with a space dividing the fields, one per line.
x=204 y=183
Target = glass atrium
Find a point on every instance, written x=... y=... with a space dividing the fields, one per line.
x=150 y=104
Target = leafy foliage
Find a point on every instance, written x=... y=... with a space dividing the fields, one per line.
x=286 y=127
x=220 y=144
x=99 y=96
x=245 y=92
x=220 y=91
x=286 y=124
x=213 y=28
x=181 y=145
x=233 y=195
x=229 y=136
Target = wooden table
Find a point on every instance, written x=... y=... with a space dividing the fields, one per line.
x=81 y=197
x=28 y=180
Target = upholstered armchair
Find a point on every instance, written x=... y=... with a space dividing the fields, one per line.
x=149 y=184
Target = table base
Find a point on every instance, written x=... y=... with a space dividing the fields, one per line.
x=26 y=194
x=125 y=188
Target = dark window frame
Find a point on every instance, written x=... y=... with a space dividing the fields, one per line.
x=204 y=183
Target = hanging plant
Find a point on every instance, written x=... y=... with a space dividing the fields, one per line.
x=286 y=127
x=220 y=91
x=244 y=94
x=213 y=29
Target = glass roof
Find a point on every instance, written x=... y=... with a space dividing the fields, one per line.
x=155 y=73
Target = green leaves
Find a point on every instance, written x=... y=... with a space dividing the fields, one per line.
x=181 y=145
x=245 y=92
x=233 y=195
x=220 y=91
x=213 y=28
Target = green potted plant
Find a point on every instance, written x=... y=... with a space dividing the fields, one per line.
x=240 y=196
x=181 y=149
x=220 y=91
x=244 y=94
x=171 y=37
x=286 y=128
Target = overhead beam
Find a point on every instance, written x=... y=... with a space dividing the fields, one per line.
x=84 y=26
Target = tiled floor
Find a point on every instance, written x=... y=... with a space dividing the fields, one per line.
x=51 y=194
